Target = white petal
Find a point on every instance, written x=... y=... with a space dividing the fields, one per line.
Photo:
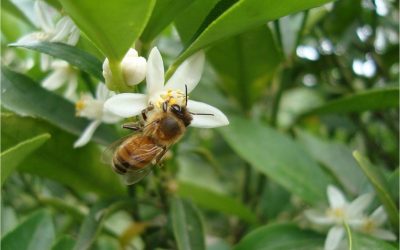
x=333 y=238
x=102 y=92
x=131 y=53
x=43 y=13
x=188 y=73
x=126 y=104
x=357 y=206
x=384 y=234
x=318 y=218
x=155 y=72
x=134 y=70
x=74 y=37
x=335 y=197
x=62 y=29
x=217 y=118
x=33 y=37
x=54 y=80
x=87 y=134
x=45 y=62
x=70 y=92
x=379 y=216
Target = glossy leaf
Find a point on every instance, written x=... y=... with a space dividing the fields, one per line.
x=35 y=233
x=244 y=15
x=19 y=92
x=94 y=222
x=209 y=199
x=113 y=26
x=246 y=64
x=164 y=13
x=280 y=236
x=187 y=225
x=277 y=156
x=74 y=56
x=64 y=243
x=338 y=159
x=56 y=159
x=376 y=99
x=382 y=188
x=13 y=156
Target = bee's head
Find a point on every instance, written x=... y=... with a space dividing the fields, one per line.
x=181 y=113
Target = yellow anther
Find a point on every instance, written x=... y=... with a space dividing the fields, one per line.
x=79 y=105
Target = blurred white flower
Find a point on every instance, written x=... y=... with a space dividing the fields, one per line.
x=64 y=30
x=93 y=109
x=133 y=68
x=62 y=74
x=372 y=225
x=173 y=92
x=339 y=213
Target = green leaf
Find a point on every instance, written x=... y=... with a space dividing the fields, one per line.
x=364 y=242
x=64 y=243
x=243 y=15
x=215 y=201
x=35 y=233
x=56 y=159
x=74 y=56
x=337 y=158
x=376 y=99
x=7 y=5
x=19 y=93
x=246 y=64
x=94 y=221
x=12 y=157
x=113 y=26
x=163 y=14
x=280 y=236
x=277 y=156
x=381 y=186
x=187 y=225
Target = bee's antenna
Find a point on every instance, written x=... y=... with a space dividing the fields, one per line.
x=200 y=114
x=186 y=95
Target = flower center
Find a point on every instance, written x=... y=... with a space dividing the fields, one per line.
x=336 y=213
x=89 y=108
x=170 y=97
x=368 y=226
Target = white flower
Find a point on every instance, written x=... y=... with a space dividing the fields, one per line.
x=339 y=213
x=64 y=30
x=93 y=109
x=371 y=225
x=133 y=68
x=63 y=73
x=188 y=74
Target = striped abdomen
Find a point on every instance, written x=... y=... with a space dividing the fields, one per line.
x=135 y=153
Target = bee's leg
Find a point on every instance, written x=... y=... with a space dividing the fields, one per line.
x=160 y=157
x=135 y=126
x=144 y=111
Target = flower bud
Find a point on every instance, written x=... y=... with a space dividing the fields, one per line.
x=133 y=68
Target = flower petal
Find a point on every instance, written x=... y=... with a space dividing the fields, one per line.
x=317 y=217
x=356 y=207
x=333 y=238
x=134 y=70
x=62 y=29
x=102 y=92
x=45 y=62
x=336 y=197
x=87 y=134
x=126 y=104
x=70 y=92
x=74 y=37
x=207 y=115
x=43 y=13
x=155 y=72
x=188 y=73
x=383 y=234
x=379 y=216
x=55 y=79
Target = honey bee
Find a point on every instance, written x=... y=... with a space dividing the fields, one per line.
x=135 y=156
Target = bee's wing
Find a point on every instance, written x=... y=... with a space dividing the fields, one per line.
x=108 y=153
x=132 y=176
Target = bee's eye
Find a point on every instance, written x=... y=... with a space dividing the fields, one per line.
x=176 y=108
